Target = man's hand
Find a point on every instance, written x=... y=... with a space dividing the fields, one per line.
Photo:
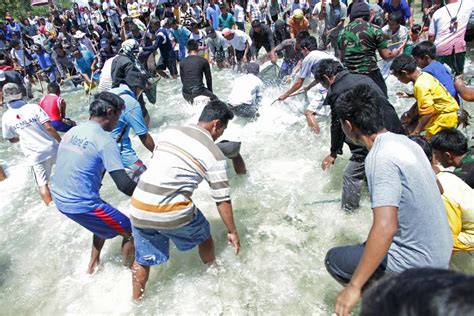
x=282 y=97
x=244 y=59
x=346 y=299
x=327 y=162
x=234 y=240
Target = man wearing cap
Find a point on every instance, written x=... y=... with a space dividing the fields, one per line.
x=30 y=125
x=85 y=154
x=246 y=93
x=81 y=39
x=218 y=48
x=45 y=61
x=192 y=69
x=13 y=28
x=358 y=43
x=85 y=63
x=12 y=76
x=132 y=118
x=262 y=36
x=62 y=60
x=241 y=43
x=297 y=23
x=106 y=52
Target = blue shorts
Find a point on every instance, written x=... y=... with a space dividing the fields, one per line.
x=60 y=126
x=286 y=69
x=104 y=221
x=152 y=246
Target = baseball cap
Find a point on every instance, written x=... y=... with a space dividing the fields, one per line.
x=298 y=14
x=11 y=92
x=210 y=30
x=104 y=43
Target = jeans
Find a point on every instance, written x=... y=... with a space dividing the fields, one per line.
x=353 y=178
x=114 y=23
x=341 y=263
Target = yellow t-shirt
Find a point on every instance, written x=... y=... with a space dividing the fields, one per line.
x=432 y=97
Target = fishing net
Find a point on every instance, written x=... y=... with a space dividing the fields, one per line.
x=269 y=75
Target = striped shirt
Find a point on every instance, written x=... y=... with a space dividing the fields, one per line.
x=183 y=157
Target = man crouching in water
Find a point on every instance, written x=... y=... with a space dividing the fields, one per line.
x=85 y=154
x=162 y=208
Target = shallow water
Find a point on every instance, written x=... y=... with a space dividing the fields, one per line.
x=284 y=209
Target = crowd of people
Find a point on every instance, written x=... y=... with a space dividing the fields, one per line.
x=418 y=167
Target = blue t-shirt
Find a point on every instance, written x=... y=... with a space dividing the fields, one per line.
x=212 y=13
x=44 y=60
x=83 y=155
x=83 y=65
x=439 y=71
x=131 y=117
x=403 y=8
x=181 y=35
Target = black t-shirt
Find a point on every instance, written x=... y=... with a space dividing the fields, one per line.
x=192 y=69
x=345 y=81
x=291 y=53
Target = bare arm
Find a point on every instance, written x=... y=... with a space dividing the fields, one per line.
x=14 y=140
x=386 y=53
x=379 y=240
x=431 y=38
x=312 y=122
x=47 y=125
x=227 y=216
x=466 y=93
x=298 y=83
x=422 y=121
x=147 y=141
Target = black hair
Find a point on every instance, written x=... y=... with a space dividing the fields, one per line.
x=53 y=87
x=104 y=101
x=256 y=23
x=328 y=67
x=302 y=35
x=172 y=20
x=216 y=110
x=403 y=62
x=194 y=25
x=424 y=144
x=422 y=291
x=309 y=43
x=424 y=48
x=416 y=28
x=450 y=140
x=192 y=45
x=359 y=106
x=395 y=16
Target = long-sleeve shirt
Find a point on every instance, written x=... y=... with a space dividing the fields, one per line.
x=192 y=69
x=216 y=44
x=262 y=38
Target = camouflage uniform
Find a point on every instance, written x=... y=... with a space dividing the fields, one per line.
x=358 y=43
x=466 y=170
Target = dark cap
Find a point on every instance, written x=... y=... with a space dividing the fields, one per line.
x=253 y=68
x=360 y=9
x=210 y=30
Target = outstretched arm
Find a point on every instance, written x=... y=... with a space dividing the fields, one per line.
x=227 y=216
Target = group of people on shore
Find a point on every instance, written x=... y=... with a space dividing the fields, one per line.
x=111 y=47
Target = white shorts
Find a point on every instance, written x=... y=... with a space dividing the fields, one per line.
x=42 y=171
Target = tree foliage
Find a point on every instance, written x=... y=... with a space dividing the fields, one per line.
x=19 y=8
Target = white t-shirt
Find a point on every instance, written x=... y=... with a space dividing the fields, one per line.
x=440 y=27
x=105 y=82
x=246 y=90
x=19 y=54
x=311 y=59
x=26 y=123
x=238 y=42
x=239 y=14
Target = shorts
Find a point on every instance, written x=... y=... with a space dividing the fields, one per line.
x=286 y=68
x=135 y=170
x=152 y=246
x=42 y=171
x=229 y=149
x=60 y=126
x=440 y=122
x=104 y=221
x=220 y=55
x=169 y=64
x=239 y=54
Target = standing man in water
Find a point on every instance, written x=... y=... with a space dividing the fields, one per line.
x=192 y=70
x=410 y=228
x=85 y=154
x=162 y=208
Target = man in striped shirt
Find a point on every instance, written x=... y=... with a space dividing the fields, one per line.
x=161 y=206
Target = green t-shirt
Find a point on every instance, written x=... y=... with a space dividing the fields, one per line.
x=226 y=22
x=466 y=170
x=359 y=41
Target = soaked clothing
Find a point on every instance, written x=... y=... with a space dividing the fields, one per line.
x=359 y=41
x=262 y=39
x=192 y=70
x=466 y=170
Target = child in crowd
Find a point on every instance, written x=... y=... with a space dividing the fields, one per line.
x=435 y=109
x=424 y=54
x=458 y=199
x=55 y=107
x=451 y=150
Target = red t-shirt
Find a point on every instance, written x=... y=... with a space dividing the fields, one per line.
x=51 y=104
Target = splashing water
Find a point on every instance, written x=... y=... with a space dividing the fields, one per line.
x=286 y=209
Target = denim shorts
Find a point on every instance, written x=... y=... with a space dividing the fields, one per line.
x=152 y=246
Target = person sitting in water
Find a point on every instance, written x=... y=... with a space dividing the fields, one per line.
x=85 y=154
x=458 y=199
x=31 y=126
x=55 y=107
x=410 y=228
x=450 y=148
x=161 y=206
x=246 y=94
x=424 y=54
x=338 y=80
x=132 y=118
x=435 y=109
x=192 y=69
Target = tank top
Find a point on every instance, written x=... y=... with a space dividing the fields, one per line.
x=51 y=104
